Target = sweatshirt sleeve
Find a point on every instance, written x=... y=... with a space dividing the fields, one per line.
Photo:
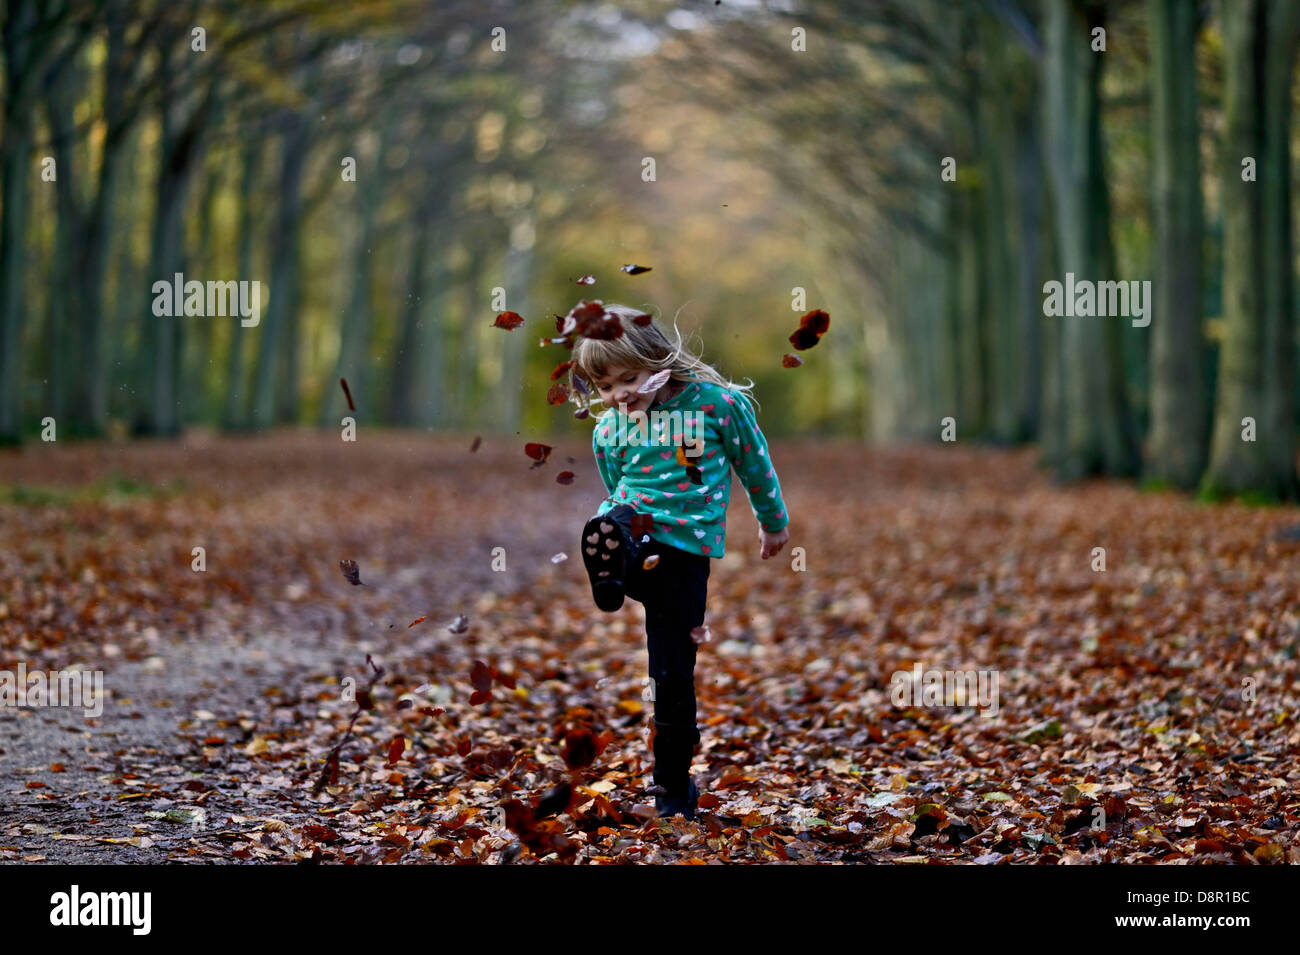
x=746 y=448
x=603 y=449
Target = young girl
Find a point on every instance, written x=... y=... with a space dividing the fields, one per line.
x=665 y=456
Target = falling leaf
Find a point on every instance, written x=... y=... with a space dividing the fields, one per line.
x=655 y=382
x=564 y=477
x=478 y=439
x=415 y=621
x=700 y=634
x=650 y=562
x=508 y=320
x=557 y=394
x=395 y=749
x=558 y=558
x=643 y=319
x=811 y=328
x=587 y=280
x=459 y=625
x=579 y=748
x=480 y=676
x=537 y=451
x=560 y=369
x=351 y=572
x=634 y=269
x=347 y=393
x=790 y=361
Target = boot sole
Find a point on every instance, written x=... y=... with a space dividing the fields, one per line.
x=598 y=556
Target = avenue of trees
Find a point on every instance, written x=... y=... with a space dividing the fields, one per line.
x=396 y=173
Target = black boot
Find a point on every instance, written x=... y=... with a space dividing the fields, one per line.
x=673 y=747
x=608 y=550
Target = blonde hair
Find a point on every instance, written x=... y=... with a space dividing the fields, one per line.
x=640 y=348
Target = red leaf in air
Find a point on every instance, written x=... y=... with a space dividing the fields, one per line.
x=505 y=679
x=587 y=280
x=790 y=361
x=581 y=413
x=396 y=748
x=508 y=320
x=415 y=621
x=558 y=394
x=811 y=328
x=351 y=572
x=480 y=676
x=347 y=394
x=642 y=524
x=645 y=318
x=464 y=746
x=579 y=748
x=478 y=439
x=333 y=767
x=479 y=696
x=635 y=269
x=364 y=700
x=564 y=477
x=538 y=452
x=560 y=369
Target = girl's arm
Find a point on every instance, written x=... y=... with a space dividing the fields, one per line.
x=745 y=446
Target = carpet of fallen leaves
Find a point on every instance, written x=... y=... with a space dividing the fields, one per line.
x=1146 y=713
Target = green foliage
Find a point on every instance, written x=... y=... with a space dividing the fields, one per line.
x=114 y=487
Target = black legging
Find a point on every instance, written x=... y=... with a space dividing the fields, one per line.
x=673 y=593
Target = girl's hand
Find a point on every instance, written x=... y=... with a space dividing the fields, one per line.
x=772 y=542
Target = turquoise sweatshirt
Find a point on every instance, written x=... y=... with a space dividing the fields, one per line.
x=643 y=460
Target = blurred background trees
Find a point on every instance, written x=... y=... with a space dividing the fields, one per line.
x=919 y=168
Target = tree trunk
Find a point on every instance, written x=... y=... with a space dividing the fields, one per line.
x=406 y=360
x=353 y=361
x=518 y=277
x=15 y=172
x=234 y=415
x=1099 y=432
x=430 y=382
x=285 y=270
x=1256 y=366
x=1179 y=391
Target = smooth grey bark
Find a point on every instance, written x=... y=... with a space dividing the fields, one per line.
x=1100 y=436
x=1256 y=360
x=1179 y=389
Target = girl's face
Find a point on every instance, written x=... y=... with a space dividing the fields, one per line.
x=618 y=386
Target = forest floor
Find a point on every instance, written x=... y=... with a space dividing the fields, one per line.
x=1145 y=712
